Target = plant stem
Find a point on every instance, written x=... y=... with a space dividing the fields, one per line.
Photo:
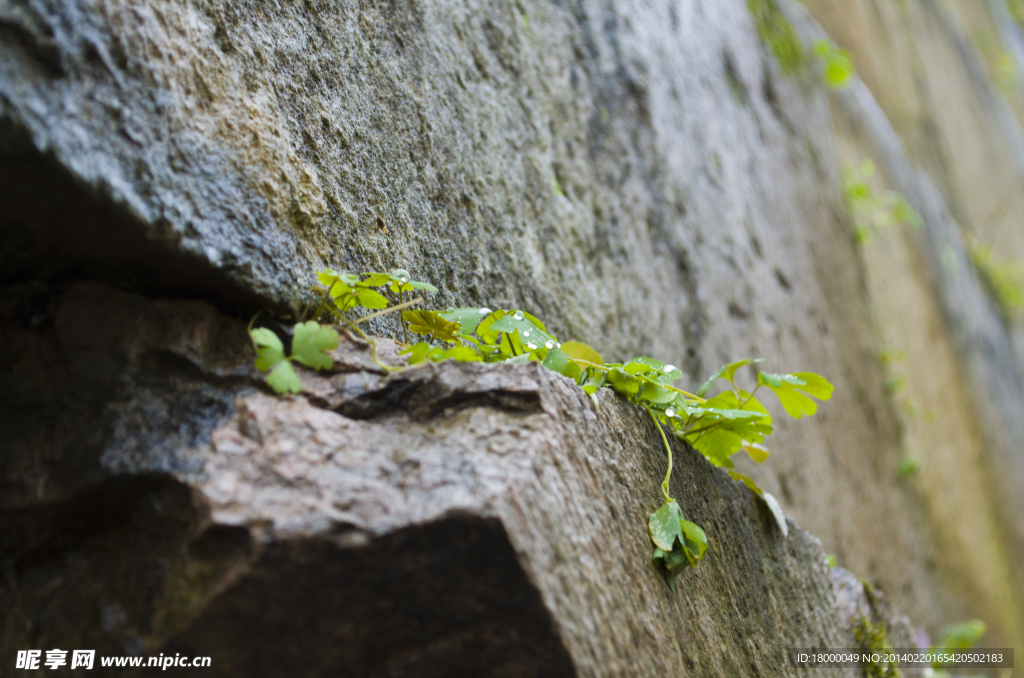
x=401 y=302
x=668 y=451
x=390 y=309
x=373 y=352
x=751 y=397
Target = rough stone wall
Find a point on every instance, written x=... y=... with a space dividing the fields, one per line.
x=642 y=176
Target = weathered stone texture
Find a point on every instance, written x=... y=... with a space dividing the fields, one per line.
x=452 y=519
x=640 y=175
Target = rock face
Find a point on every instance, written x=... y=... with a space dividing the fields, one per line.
x=451 y=519
x=652 y=179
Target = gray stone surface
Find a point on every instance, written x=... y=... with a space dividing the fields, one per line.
x=640 y=176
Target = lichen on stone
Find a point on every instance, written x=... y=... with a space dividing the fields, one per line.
x=872 y=637
x=778 y=33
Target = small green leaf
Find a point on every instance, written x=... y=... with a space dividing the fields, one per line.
x=658 y=395
x=572 y=370
x=726 y=372
x=532 y=336
x=468 y=318
x=964 y=635
x=756 y=451
x=267 y=357
x=664 y=525
x=748 y=481
x=556 y=360
x=269 y=349
x=310 y=340
x=908 y=467
x=484 y=331
x=328 y=277
x=790 y=389
x=623 y=383
x=430 y=323
x=461 y=353
x=648 y=362
x=401 y=281
x=837 y=66
x=420 y=285
x=536 y=321
x=695 y=540
x=375 y=280
x=417 y=353
x=370 y=299
x=283 y=379
x=577 y=350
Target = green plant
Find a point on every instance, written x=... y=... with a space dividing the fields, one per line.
x=1004 y=281
x=836 y=64
x=960 y=636
x=310 y=340
x=718 y=426
x=337 y=295
x=779 y=34
x=873 y=212
x=872 y=638
x=908 y=467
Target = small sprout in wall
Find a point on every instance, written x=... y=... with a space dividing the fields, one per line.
x=310 y=341
x=872 y=212
x=895 y=383
x=1004 y=281
x=836 y=64
x=890 y=354
x=960 y=636
x=908 y=467
x=718 y=426
x=338 y=294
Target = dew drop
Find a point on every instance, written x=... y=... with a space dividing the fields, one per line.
x=669 y=368
x=670 y=412
x=526 y=333
x=531 y=346
x=517 y=315
x=450 y=309
x=485 y=311
x=549 y=344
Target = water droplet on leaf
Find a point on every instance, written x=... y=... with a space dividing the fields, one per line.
x=549 y=344
x=517 y=315
x=531 y=346
x=670 y=412
x=485 y=311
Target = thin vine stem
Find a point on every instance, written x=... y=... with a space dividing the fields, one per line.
x=373 y=352
x=389 y=309
x=668 y=451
